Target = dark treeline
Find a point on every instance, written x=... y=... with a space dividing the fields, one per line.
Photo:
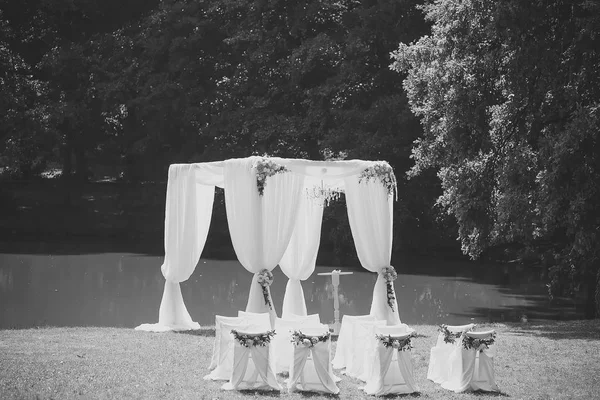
x=121 y=89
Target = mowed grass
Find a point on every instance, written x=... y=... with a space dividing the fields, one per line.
x=539 y=360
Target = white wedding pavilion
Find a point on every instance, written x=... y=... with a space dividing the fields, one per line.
x=274 y=212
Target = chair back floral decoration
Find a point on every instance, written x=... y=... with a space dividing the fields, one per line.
x=266 y=168
x=390 y=275
x=250 y=340
x=478 y=344
x=384 y=173
x=451 y=337
x=402 y=343
x=300 y=339
x=265 y=279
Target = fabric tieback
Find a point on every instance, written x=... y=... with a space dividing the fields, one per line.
x=265 y=279
x=390 y=275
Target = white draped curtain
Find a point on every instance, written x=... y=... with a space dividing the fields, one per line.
x=300 y=257
x=260 y=226
x=187 y=219
x=370 y=213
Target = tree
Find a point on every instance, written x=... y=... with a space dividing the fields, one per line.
x=509 y=100
x=23 y=138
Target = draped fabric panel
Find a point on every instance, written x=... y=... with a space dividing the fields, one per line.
x=260 y=226
x=370 y=213
x=298 y=261
x=188 y=213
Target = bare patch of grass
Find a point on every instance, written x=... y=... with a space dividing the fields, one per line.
x=544 y=360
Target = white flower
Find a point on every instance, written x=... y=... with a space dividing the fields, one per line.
x=396 y=344
x=307 y=342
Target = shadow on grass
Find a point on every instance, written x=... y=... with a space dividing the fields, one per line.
x=401 y=396
x=317 y=394
x=207 y=332
x=261 y=393
x=490 y=394
x=560 y=330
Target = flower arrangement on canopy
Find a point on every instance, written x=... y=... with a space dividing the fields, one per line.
x=266 y=168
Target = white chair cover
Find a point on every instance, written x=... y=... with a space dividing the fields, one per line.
x=363 y=340
x=310 y=369
x=224 y=341
x=472 y=369
x=252 y=367
x=344 y=343
x=260 y=226
x=438 y=357
x=283 y=349
x=370 y=346
x=300 y=257
x=392 y=369
x=219 y=321
x=261 y=320
x=370 y=213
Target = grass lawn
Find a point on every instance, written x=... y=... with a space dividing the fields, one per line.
x=539 y=360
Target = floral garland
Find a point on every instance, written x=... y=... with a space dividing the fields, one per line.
x=390 y=275
x=265 y=279
x=248 y=340
x=299 y=338
x=264 y=169
x=384 y=173
x=478 y=344
x=403 y=344
x=449 y=337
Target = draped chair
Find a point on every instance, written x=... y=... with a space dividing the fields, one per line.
x=370 y=346
x=392 y=369
x=438 y=357
x=252 y=364
x=222 y=358
x=363 y=338
x=344 y=343
x=282 y=345
x=310 y=367
x=472 y=363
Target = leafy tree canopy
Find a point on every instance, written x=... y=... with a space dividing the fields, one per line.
x=509 y=100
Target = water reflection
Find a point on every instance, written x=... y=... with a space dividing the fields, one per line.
x=124 y=290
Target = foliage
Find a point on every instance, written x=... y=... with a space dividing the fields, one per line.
x=23 y=118
x=132 y=86
x=508 y=98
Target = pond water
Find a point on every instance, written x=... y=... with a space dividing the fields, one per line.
x=125 y=290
